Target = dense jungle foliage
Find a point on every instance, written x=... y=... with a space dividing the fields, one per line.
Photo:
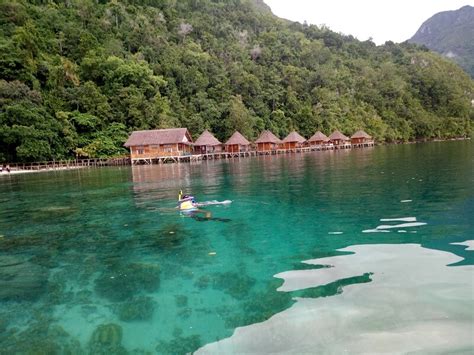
x=77 y=76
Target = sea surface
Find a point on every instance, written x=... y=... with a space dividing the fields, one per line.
x=366 y=250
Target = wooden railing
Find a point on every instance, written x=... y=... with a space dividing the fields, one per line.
x=72 y=163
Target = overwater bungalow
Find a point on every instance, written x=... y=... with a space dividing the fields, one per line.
x=293 y=141
x=340 y=140
x=207 y=143
x=361 y=139
x=148 y=145
x=267 y=142
x=318 y=139
x=237 y=143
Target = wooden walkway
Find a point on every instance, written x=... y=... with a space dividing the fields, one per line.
x=69 y=164
x=189 y=158
x=79 y=163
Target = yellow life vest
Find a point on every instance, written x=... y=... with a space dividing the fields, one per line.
x=186 y=205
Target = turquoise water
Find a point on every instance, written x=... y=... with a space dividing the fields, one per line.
x=98 y=260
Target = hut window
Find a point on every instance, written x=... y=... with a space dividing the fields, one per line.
x=168 y=147
x=140 y=151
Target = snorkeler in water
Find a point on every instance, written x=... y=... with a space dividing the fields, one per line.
x=188 y=206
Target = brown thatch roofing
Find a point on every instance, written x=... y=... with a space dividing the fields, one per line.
x=294 y=137
x=267 y=137
x=237 y=138
x=318 y=136
x=159 y=136
x=206 y=138
x=361 y=134
x=338 y=135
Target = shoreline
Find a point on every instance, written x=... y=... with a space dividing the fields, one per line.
x=28 y=171
x=67 y=168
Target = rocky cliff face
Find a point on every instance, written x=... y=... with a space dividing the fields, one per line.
x=450 y=33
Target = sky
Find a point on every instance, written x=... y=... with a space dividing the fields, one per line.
x=382 y=20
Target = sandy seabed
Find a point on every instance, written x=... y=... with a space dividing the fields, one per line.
x=415 y=303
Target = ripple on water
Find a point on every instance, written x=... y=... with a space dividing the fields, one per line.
x=402 y=225
x=402 y=219
x=384 y=228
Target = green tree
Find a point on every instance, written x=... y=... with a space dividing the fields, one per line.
x=239 y=118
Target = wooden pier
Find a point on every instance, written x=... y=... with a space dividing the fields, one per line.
x=185 y=158
x=189 y=158
x=363 y=145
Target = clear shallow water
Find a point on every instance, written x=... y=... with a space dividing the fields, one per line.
x=431 y=313
x=99 y=260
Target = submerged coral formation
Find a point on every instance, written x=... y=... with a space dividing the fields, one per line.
x=179 y=345
x=168 y=238
x=40 y=337
x=139 y=308
x=121 y=282
x=107 y=339
x=202 y=282
x=21 y=279
x=181 y=300
x=238 y=285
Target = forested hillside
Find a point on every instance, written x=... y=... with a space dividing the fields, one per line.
x=76 y=76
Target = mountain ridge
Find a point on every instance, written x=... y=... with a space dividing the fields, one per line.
x=451 y=34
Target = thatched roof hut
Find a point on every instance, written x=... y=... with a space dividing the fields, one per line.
x=294 y=137
x=237 y=143
x=293 y=140
x=318 y=137
x=361 y=138
x=238 y=139
x=361 y=134
x=159 y=136
x=207 y=143
x=267 y=142
x=152 y=144
x=267 y=137
x=206 y=138
x=339 y=139
x=338 y=136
